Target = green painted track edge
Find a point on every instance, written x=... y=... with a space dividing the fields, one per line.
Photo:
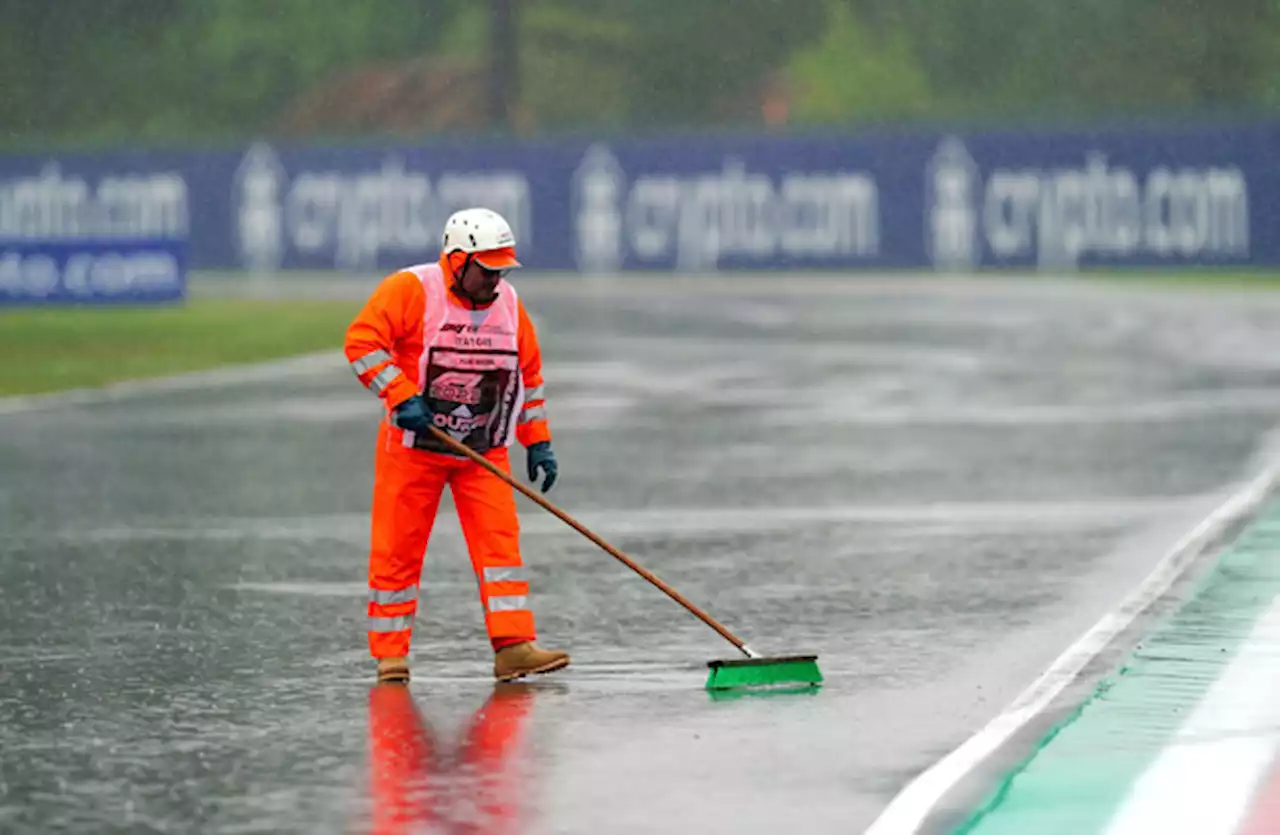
x=1267 y=510
x=1006 y=782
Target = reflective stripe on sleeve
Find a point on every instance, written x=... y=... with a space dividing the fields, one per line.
x=369 y=360
x=383 y=597
x=505 y=574
x=535 y=394
x=508 y=603
x=383 y=378
x=536 y=413
x=397 y=624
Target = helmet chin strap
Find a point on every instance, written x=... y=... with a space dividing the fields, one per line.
x=457 y=283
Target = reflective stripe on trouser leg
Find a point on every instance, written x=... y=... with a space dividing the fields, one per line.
x=487 y=511
x=391 y=612
x=406 y=494
x=391 y=624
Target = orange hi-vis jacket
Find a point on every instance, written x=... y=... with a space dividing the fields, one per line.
x=479 y=366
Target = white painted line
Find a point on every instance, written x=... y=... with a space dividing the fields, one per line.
x=910 y=807
x=856 y=411
x=942 y=519
x=1203 y=783
x=312 y=589
x=222 y=376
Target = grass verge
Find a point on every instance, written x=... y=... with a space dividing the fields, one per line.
x=50 y=349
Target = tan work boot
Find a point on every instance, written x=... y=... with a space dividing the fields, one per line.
x=523 y=659
x=394 y=668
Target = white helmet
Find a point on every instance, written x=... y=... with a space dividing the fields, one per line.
x=483 y=232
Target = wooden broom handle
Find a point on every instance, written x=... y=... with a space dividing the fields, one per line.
x=462 y=449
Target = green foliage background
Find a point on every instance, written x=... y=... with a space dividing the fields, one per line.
x=157 y=72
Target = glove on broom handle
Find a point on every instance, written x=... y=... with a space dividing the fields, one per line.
x=462 y=449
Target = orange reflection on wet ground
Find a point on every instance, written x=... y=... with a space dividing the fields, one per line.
x=421 y=782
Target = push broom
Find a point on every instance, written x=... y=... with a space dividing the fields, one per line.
x=752 y=670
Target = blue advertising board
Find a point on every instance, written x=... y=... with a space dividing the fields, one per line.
x=1047 y=200
x=92 y=272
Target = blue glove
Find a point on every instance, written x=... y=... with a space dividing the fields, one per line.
x=413 y=414
x=542 y=458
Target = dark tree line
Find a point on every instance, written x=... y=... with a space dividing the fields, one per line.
x=89 y=72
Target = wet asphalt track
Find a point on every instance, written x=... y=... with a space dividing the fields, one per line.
x=935 y=487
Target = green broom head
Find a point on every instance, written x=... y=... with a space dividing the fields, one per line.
x=785 y=671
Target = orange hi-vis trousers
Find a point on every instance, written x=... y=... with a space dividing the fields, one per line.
x=408 y=485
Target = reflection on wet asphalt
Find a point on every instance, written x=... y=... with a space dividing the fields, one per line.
x=934 y=490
